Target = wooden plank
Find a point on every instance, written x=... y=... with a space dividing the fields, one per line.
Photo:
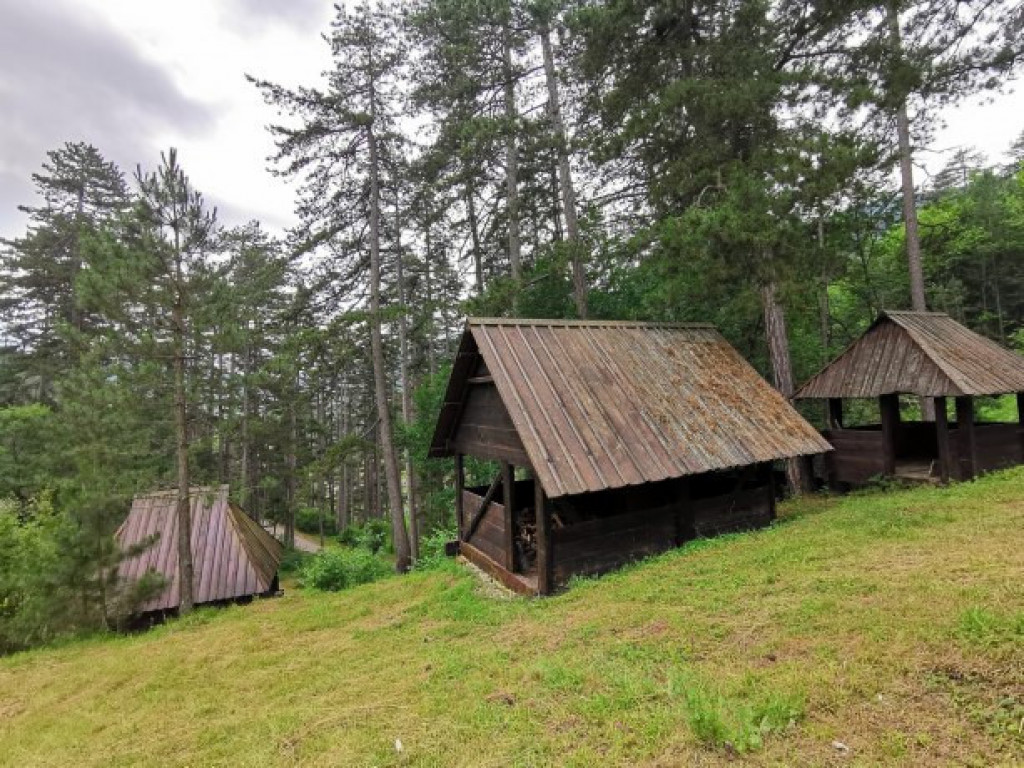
x=683 y=513
x=544 y=548
x=1020 y=423
x=966 y=437
x=488 y=379
x=484 y=504
x=890 y=408
x=942 y=438
x=508 y=485
x=460 y=486
x=517 y=584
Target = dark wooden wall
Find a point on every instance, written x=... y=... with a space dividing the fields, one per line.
x=859 y=455
x=489 y=536
x=485 y=429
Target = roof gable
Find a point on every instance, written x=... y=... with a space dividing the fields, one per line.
x=232 y=555
x=922 y=353
x=602 y=405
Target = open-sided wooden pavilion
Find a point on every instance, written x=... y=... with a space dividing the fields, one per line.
x=233 y=557
x=631 y=438
x=930 y=355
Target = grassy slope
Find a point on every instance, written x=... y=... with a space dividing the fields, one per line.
x=890 y=622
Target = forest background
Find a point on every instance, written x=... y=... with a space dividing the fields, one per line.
x=748 y=164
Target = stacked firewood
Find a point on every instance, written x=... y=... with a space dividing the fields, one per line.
x=526 y=538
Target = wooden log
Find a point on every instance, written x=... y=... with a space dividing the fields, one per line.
x=968 y=443
x=460 y=486
x=942 y=438
x=835 y=413
x=544 y=549
x=484 y=504
x=508 y=483
x=889 y=405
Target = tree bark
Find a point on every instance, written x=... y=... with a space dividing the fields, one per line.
x=387 y=442
x=782 y=370
x=406 y=382
x=184 y=508
x=474 y=233
x=566 y=188
x=511 y=159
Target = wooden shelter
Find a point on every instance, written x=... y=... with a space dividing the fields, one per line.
x=629 y=438
x=233 y=557
x=930 y=355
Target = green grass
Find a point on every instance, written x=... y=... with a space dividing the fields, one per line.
x=892 y=622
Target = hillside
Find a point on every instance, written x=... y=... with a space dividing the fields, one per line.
x=883 y=628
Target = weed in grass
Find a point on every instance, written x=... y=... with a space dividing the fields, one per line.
x=986 y=627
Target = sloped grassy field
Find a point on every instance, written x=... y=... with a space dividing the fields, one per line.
x=892 y=623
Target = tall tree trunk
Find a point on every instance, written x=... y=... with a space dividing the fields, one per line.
x=782 y=369
x=291 y=463
x=568 y=191
x=390 y=457
x=427 y=271
x=184 y=510
x=511 y=158
x=917 y=296
x=474 y=233
x=918 y=302
x=406 y=382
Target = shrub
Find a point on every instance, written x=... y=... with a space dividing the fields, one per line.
x=334 y=570
x=432 y=548
x=373 y=535
x=307 y=520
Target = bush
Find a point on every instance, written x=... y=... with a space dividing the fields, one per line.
x=334 y=570
x=307 y=520
x=373 y=535
x=432 y=548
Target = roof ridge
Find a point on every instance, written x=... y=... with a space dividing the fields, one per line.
x=524 y=321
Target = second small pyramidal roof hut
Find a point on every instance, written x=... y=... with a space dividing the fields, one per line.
x=630 y=438
x=233 y=557
x=930 y=355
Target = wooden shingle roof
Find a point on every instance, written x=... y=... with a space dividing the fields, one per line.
x=233 y=556
x=920 y=353
x=602 y=405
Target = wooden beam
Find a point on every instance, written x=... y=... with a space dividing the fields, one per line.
x=684 y=512
x=942 y=438
x=460 y=486
x=1020 y=422
x=889 y=405
x=484 y=504
x=481 y=380
x=544 y=548
x=508 y=483
x=966 y=439
x=835 y=413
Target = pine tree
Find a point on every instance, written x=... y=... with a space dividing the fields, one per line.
x=80 y=193
x=342 y=145
x=154 y=279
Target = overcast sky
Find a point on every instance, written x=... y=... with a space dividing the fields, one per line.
x=133 y=77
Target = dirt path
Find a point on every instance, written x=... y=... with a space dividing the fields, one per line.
x=303 y=542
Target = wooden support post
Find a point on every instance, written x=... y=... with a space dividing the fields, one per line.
x=685 y=524
x=508 y=484
x=460 y=486
x=890 y=409
x=942 y=438
x=544 y=548
x=1020 y=422
x=835 y=413
x=966 y=439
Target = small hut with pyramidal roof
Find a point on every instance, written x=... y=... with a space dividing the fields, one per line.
x=611 y=440
x=233 y=557
x=927 y=355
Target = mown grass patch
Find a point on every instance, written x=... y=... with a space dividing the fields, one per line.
x=887 y=621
